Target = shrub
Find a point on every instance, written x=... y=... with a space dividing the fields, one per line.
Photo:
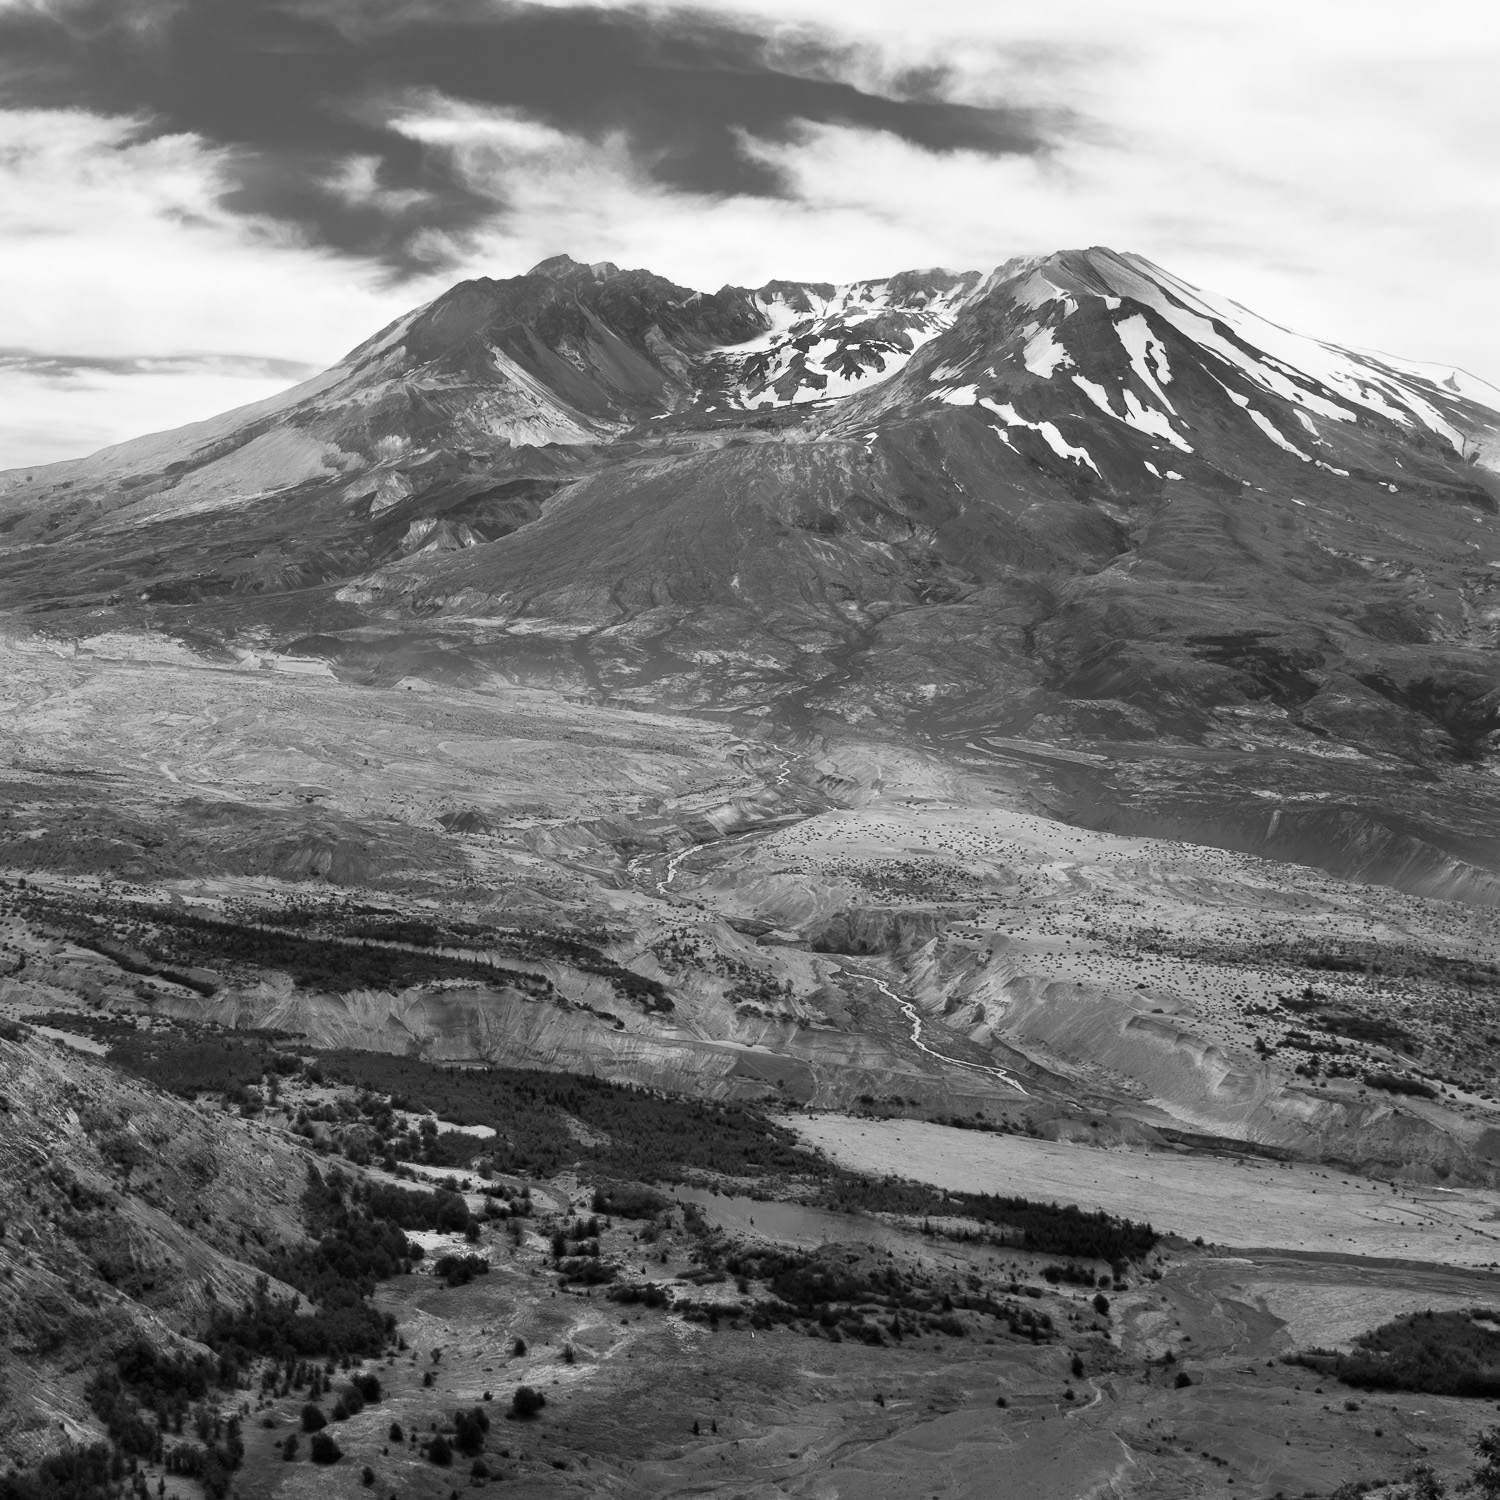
x=460 y=1270
x=1183 y=1379
x=526 y=1402
x=587 y=1270
x=440 y=1452
x=313 y=1419
x=367 y=1476
x=1101 y=1304
x=289 y=1446
x=1394 y=1083
x=650 y=1295
x=629 y=1200
x=518 y=1348
x=396 y=1435
x=323 y=1449
x=469 y=1428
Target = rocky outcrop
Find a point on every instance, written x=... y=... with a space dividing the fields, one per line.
x=866 y=930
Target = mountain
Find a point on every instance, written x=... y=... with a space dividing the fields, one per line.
x=1180 y=569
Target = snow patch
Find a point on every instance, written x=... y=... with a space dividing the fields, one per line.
x=1037 y=290
x=825 y=344
x=1287 y=363
x=1097 y=394
x=1137 y=415
x=1265 y=425
x=1145 y=349
x=1150 y=421
x=1050 y=435
x=1043 y=354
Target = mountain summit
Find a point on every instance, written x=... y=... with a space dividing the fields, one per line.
x=1186 y=556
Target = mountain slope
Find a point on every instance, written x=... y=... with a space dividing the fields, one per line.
x=1212 y=577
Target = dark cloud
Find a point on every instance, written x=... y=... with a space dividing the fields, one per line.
x=295 y=91
x=44 y=366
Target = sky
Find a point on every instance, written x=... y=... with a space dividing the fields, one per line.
x=203 y=201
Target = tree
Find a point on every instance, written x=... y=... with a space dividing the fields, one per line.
x=526 y=1402
x=1422 y=1484
x=396 y=1435
x=518 y=1348
x=323 y=1449
x=313 y=1419
x=440 y=1452
x=1484 y=1480
x=469 y=1428
x=1101 y=1304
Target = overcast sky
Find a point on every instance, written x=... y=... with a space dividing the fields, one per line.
x=203 y=200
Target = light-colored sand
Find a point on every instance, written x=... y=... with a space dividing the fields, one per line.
x=1226 y=1201
x=1327 y=1314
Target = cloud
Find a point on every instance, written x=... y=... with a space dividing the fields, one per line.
x=298 y=98
x=1331 y=166
x=62 y=368
x=115 y=246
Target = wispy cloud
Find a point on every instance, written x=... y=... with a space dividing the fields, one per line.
x=76 y=368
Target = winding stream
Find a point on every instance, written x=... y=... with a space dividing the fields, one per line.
x=914 y=1017
x=639 y=870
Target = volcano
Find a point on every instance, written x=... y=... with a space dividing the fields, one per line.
x=1178 y=569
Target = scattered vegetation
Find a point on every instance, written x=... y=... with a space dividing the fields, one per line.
x=360 y=1243
x=1439 y=1353
x=638 y=1134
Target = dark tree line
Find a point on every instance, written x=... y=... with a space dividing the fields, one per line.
x=1439 y=1353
